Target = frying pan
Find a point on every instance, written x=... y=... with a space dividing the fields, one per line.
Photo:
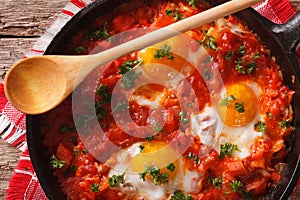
x=281 y=40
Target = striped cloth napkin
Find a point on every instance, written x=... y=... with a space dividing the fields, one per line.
x=24 y=183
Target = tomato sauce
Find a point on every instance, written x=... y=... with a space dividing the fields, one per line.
x=236 y=56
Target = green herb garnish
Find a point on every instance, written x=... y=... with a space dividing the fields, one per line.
x=56 y=163
x=79 y=49
x=207 y=75
x=251 y=67
x=142 y=147
x=120 y=106
x=157 y=127
x=260 y=126
x=76 y=152
x=192 y=3
x=116 y=179
x=239 y=106
x=242 y=50
x=227 y=149
x=66 y=128
x=164 y=51
x=228 y=99
x=99 y=34
x=236 y=185
x=178 y=195
x=183 y=117
x=208 y=41
x=94 y=187
x=129 y=65
x=229 y=54
x=103 y=92
x=216 y=181
x=150 y=138
x=238 y=67
x=157 y=176
x=128 y=79
x=193 y=156
x=171 y=167
x=207 y=60
x=256 y=55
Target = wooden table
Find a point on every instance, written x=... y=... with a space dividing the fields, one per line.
x=21 y=24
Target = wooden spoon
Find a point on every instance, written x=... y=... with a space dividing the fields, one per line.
x=37 y=84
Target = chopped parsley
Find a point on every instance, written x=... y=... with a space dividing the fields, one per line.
x=101 y=114
x=251 y=67
x=260 y=126
x=73 y=140
x=157 y=127
x=56 y=163
x=192 y=3
x=228 y=99
x=207 y=75
x=208 y=41
x=128 y=79
x=116 y=179
x=193 y=156
x=164 y=51
x=169 y=12
x=256 y=55
x=171 y=167
x=129 y=65
x=176 y=15
x=236 y=185
x=79 y=49
x=238 y=67
x=120 y=106
x=207 y=60
x=284 y=123
x=94 y=187
x=239 y=106
x=76 y=152
x=99 y=34
x=155 y=174
x=103 y=92
x=178 y=195
x=229 y=54
x=183 y=117
x=150 y=138
x=142 y=147
x=85 y=151
x=242 y=50
x=216 y=181
x=66 y=128
x=227 y=149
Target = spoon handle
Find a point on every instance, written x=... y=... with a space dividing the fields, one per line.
x=174 y=29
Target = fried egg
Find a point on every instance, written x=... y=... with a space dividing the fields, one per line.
x=223 y=123
x=135 y=160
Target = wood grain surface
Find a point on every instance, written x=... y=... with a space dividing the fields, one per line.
x=21 y=23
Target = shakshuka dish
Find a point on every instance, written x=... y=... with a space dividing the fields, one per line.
x=203 y=115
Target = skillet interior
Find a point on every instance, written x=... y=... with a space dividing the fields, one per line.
x=38 y=152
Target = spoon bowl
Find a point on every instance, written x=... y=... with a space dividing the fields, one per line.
x=24 y=89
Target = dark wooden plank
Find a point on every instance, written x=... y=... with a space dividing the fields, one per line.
x=28 y=17
x=12 y=50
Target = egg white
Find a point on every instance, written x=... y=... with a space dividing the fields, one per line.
x=209 y=126
x=133 y=186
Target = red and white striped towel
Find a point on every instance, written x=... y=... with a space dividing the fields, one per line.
x=24 y=183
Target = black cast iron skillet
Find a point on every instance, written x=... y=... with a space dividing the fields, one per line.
x=280 y=39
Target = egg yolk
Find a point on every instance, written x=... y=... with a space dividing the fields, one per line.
x=238 y=106
x=157 y=154
x=170 y=62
